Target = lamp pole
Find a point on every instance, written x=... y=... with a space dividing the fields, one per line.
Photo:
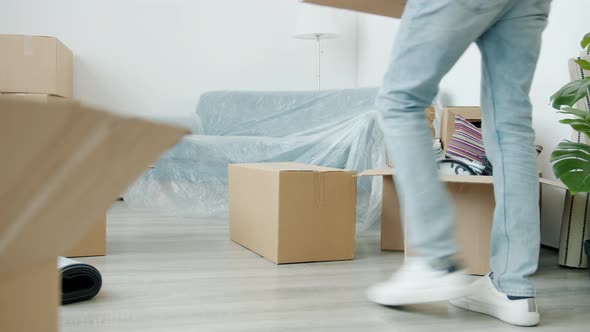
x=318 y=39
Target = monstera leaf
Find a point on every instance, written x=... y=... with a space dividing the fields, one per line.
x=571 y=161
x=574 y=111
x=583 y=64
x=571 y=164
x=581 y=123
x=570 y=93
x=585 y=41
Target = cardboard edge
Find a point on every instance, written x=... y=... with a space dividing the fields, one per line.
x=467 y=179
x=56 y=69
x=376 y=172
x=397 y=14
x=302 y=168
x=553 y=183
x=64 y=65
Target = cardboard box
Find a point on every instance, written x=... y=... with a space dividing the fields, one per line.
x=470 y=113
x=474 y=201
x=430 y=117
x=29 y=300
x=291 y=213
x=62 y=166
x=391 y=8
x=36 y=64
x=93 y=243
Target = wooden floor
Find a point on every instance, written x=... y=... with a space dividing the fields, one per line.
x=179 y=274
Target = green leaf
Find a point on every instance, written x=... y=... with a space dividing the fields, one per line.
x=585 y=41
x=567 y=145
x=579 y=125
x=570 y=93
x=571 y=164
x=577 y=112
x=569 y=154
x=575 y=174
x=583 y=64
x=559 y=155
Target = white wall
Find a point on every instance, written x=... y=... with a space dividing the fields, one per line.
x=155 y=57
x=461 y=86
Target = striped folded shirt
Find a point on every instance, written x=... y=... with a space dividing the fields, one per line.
x=466 y=142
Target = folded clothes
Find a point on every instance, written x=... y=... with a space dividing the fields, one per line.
x=466 y=145
x=466 y=142
x=80 y=281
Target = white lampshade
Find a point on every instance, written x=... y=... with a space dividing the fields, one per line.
x=315 y=22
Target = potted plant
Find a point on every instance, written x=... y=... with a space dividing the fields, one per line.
x=571 y=164
x=571 y=160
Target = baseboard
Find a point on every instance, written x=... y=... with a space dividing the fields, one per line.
x=544 y=246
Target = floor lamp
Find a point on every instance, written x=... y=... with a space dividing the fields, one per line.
x=316 y=23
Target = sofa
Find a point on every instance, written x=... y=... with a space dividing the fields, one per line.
x=338 y=128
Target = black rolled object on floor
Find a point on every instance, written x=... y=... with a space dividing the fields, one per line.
x=587 y=248
x=80 y=281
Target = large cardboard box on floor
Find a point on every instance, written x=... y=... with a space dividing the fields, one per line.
x=62 y=165
x=391 y=8
x=291 y=213
x=35 y=64
x=474 y=201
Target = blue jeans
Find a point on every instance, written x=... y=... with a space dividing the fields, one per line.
x=432 y=37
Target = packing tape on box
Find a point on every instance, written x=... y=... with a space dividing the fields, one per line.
x=28 y=45
x=319 y=182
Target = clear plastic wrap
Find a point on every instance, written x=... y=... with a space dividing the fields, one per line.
x=279 y=114
x=338 y=129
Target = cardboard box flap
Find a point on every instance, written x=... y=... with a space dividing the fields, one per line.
x=289 y=167
x=63 y=167
x=30 y=36
x=377 y=172
x=467 y=112
x=475 y=179
x=391 y=8
x=444 y=178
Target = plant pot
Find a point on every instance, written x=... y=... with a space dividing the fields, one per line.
x=575 y=229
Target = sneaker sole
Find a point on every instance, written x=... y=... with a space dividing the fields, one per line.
x=528 y=319
x=419 y=297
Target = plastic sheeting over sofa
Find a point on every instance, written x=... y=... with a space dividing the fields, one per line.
x=338 y=129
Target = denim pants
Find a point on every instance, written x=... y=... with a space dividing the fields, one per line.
x=431 y=38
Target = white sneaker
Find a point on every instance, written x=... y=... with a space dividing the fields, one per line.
x=417 y=282
x=486 y=299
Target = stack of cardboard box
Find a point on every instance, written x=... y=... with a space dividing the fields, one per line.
x=40 y=69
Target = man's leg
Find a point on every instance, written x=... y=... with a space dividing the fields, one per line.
x=432 y=37
x=510 y=50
